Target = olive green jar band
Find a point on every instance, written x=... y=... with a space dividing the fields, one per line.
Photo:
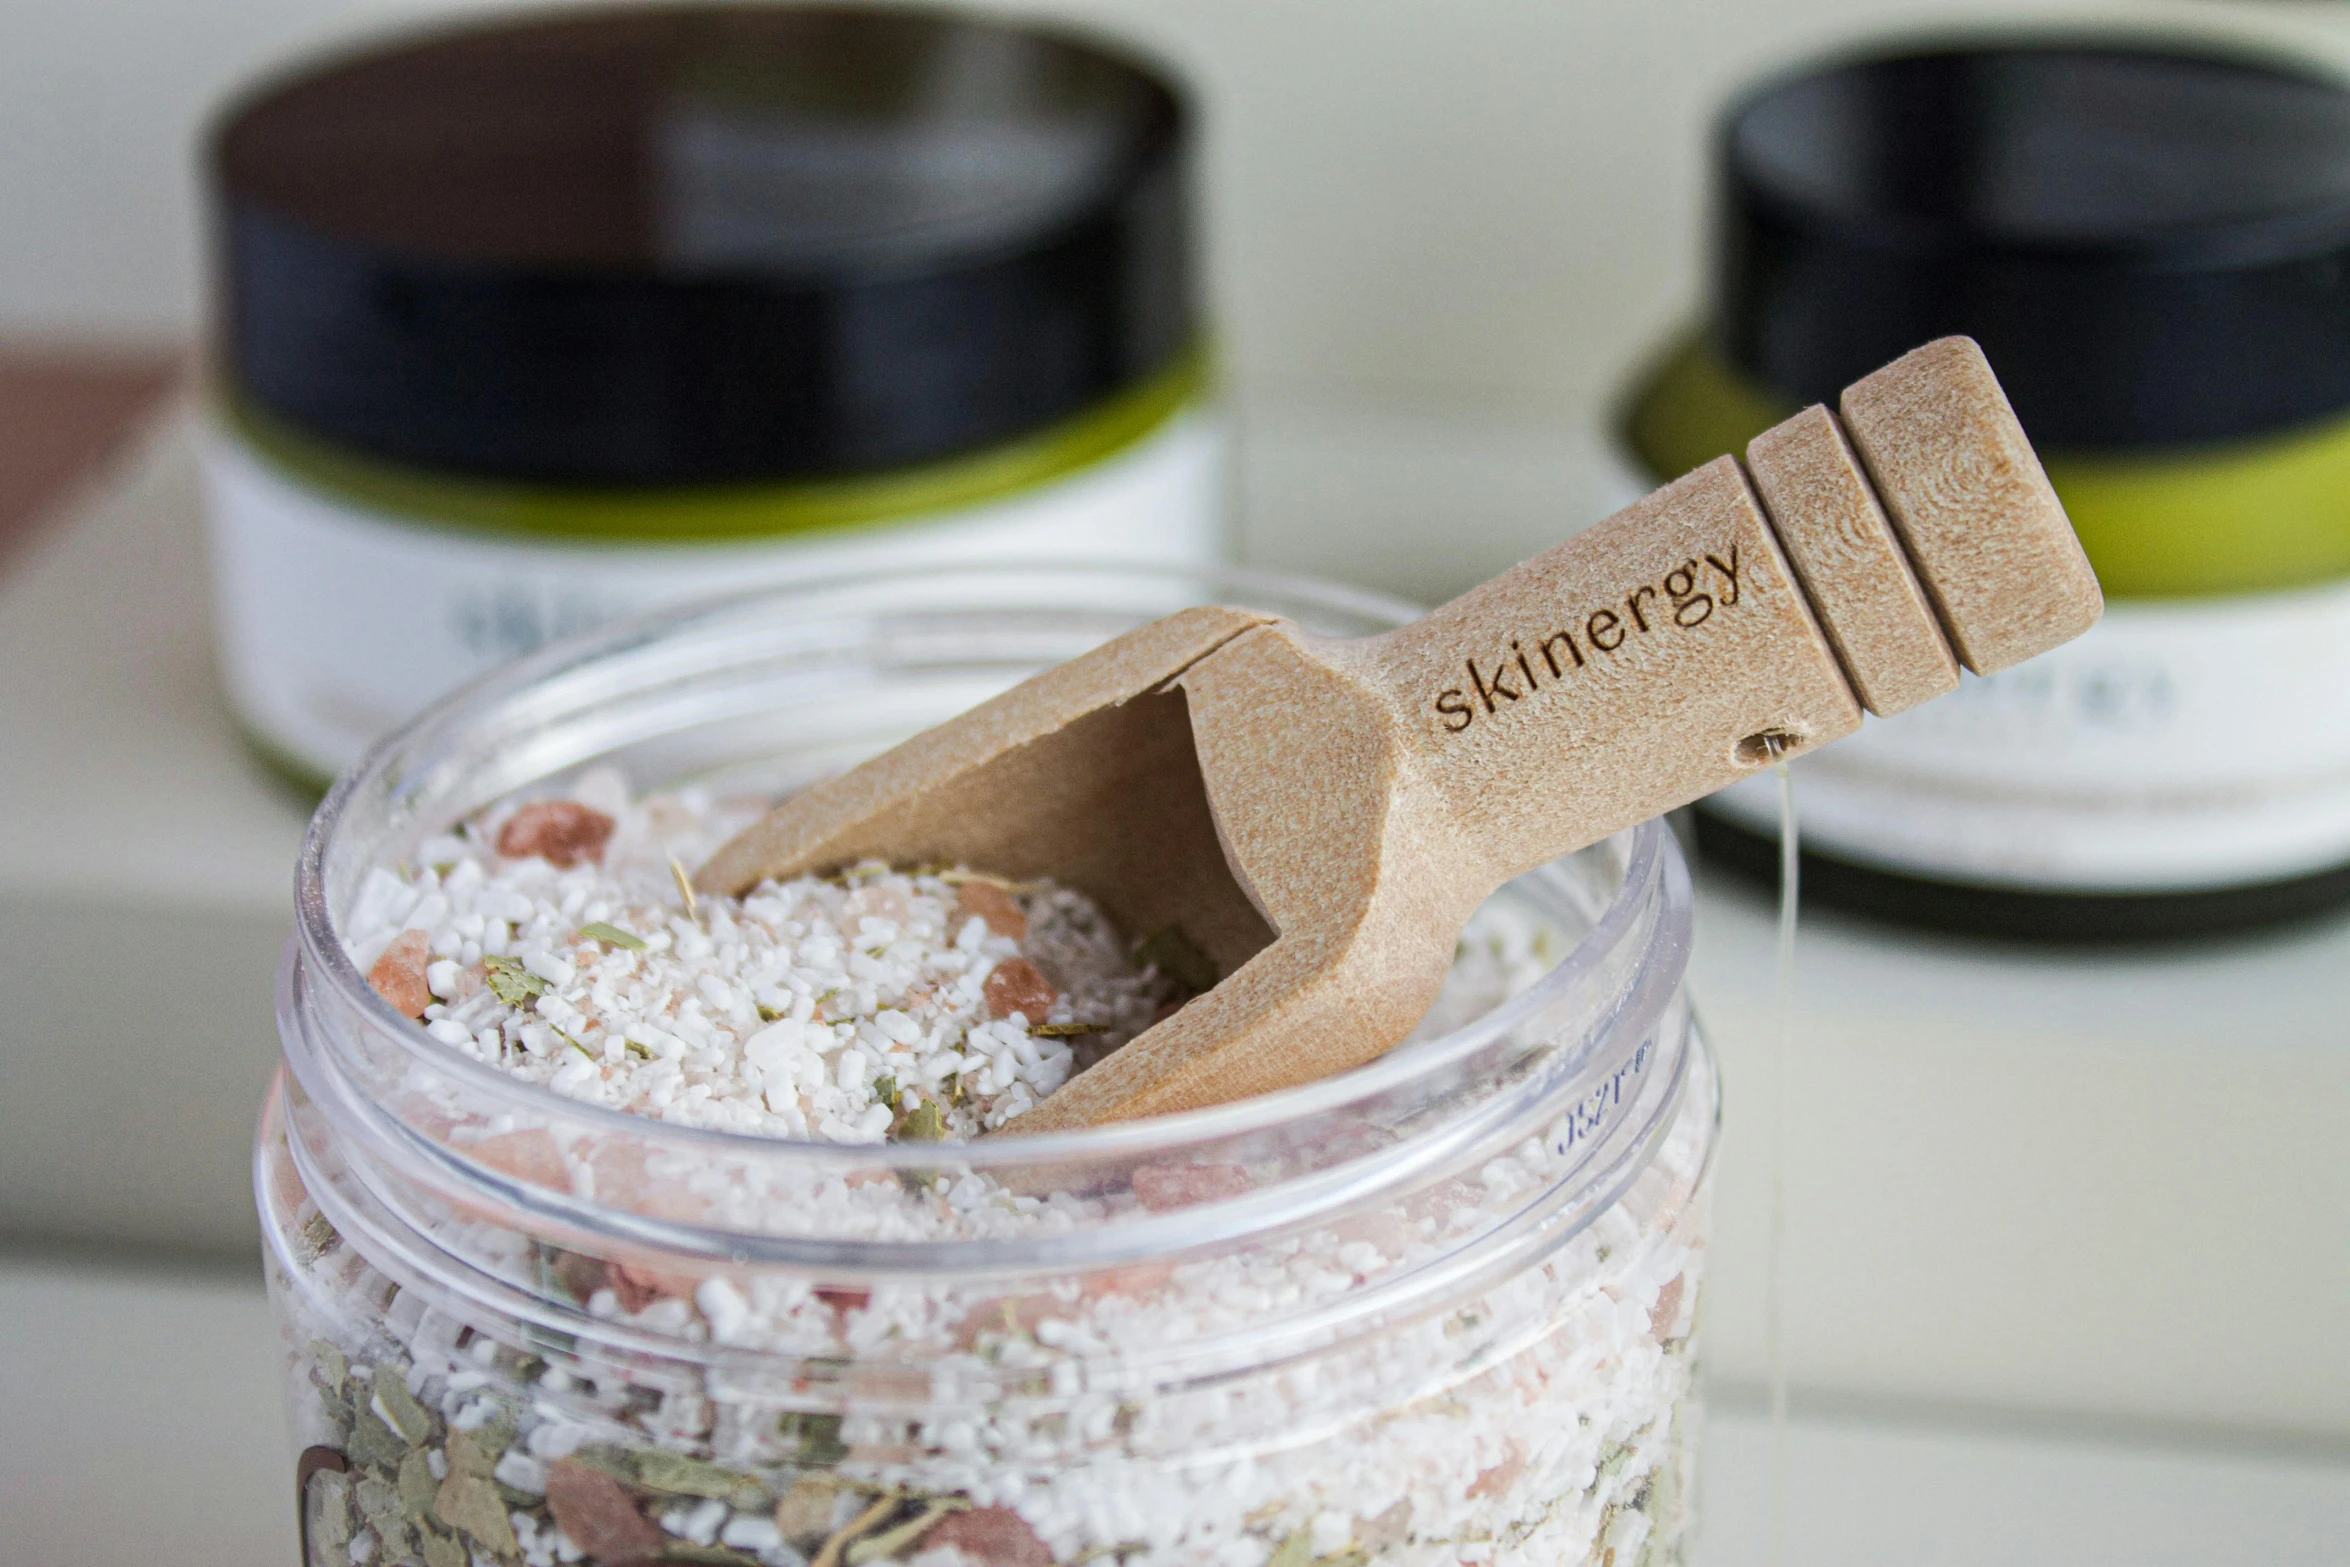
x=2236 y=517
x=720 y=512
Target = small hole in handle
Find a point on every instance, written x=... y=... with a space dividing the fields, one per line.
x=1766 y=745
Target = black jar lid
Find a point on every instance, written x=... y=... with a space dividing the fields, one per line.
x=686 y=245
x=2152 y=245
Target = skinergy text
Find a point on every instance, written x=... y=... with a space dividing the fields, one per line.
x=1687 y=599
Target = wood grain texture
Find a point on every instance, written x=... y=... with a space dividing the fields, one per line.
x=1851 y=566
x=1973 y=507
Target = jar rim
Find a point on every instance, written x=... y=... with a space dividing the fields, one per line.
x=401 y=766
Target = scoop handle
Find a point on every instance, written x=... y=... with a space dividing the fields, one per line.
x=1741 y=614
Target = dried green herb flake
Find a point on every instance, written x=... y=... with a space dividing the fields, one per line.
x=818 y=1437
x=923 y=1124
x=511 y=983
x=330 y=1364
x=399 y=1407
x=613 y=936
x=470 y=1503
x=1067 y=1030
x=610 y=1458
x=1122 y=1549
x=676 y=1550
x=1296 y=1551
x=329 y=1502
x=474 y=1452
x=318 y=1234
x=442 y=1550
x=398 y=1541
x=417 y=1485
x=374 y=1444
x=897 y=1537
x=378 y=1500
x=675 y=1474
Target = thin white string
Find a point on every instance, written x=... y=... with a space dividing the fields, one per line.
x=1782 y=1031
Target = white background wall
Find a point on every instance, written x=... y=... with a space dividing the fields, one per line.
x=1442 y=228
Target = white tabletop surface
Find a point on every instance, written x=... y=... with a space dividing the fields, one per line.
x=139 y=1424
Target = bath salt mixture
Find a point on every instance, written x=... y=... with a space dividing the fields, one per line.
x=1544 y=1421
x=554 y=939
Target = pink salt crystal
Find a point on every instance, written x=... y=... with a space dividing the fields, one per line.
x=992 y=1537
x=1497 y=1480
x=1667 y=1310
x=398 y=976
x=1344 y=1136
x=633 y=1293
x=286 y=1183
x=623 y=1181
x=600 y=1515
x=1017 y=985
x=561 y=832
x=637 y=1286
x=1136 y=1280
x=1390 y=1230
x=1160 y=1187
x=528 y=1155
x=886 y=900
x=994 y=905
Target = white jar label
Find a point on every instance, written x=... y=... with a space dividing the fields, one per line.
x=336 y=622
x=2180 y=744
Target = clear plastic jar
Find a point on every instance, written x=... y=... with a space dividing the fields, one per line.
x=1438 y=1309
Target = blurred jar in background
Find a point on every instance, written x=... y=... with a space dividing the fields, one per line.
x=2153 y=247
x=529 y=326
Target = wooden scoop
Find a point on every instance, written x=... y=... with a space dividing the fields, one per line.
x=1321 y=816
